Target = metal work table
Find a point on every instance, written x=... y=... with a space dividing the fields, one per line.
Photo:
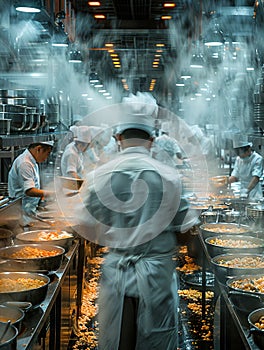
x=234 y=328
x=48 y=314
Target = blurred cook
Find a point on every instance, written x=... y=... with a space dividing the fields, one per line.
x=72 y=161
x=248 y=169
x=24 y=178
x=165 y=148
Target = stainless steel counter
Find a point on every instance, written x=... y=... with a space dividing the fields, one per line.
x=44 y=323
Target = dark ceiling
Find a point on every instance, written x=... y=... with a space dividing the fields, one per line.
x=135 y=28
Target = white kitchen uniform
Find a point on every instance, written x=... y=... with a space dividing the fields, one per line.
x=133 y=205
x=72 y=160
x=165 y=149
x=245 y=169
x=24 y=175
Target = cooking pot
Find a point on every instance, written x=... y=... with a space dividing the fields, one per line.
x=51 y=236
x=214 y=229
x=14 y=314
x=256 y=332
x=210 y=216
x=232 y=215
x=236 y=244
x=33 y=295
x=9 y=342
x=45 y=263
x=238 y=264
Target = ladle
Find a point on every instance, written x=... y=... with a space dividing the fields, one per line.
x=5 y=330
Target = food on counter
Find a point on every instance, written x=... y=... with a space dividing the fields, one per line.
x=249 y=284
x=194 y=294
x=260 y=323
x=31 y=253
x=233 y=243
x=53 y=235
x=246 y=262
x=8 y=285
x=225 y=228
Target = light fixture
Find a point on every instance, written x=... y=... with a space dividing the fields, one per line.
x=197 y=61
x=28 y=6
x=94 y=3
x=169 y=5
x=59 y=38
x=75 y=56
x=214 y=37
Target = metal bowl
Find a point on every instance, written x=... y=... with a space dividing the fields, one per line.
x=46 y=236
x=223 y=272
x=215 y=229
x=47 y=263
x=9 y=342
x=257 y=333
x=215 y=249
x=35 y=296
x=14 y=314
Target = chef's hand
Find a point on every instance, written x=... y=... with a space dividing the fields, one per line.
x=48 y=196
x=244 y=193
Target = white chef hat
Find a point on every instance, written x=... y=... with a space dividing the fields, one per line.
x=241 y=140
x=138 y=112
x=101 y=134
x=74 y=129
x=47 y=143
x=196 y=132
x=83 y=134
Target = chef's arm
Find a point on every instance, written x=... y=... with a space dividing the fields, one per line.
x=35 y=192
x=73 y=174
x=253 y=182
x=232 y=179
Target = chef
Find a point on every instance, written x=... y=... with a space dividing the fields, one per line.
x=72 y=161
x=248 y=169
x=24 y=178
x=129 y=204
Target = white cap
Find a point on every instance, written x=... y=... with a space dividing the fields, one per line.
x=165 y=127
x=241 y=140
x=48 y=143
x=197 y=132
x=83 y=134
x=138 y=112
x=74 y=129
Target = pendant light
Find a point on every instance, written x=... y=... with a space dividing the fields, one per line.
x=28 y=6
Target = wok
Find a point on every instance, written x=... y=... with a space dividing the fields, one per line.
x=35 y=296
x=46 y=236
x=214 y=229
x=239 y=244
x=239 y=264
x=49 y=263
x=71 y=183
x=14 y=314
x=9 y=342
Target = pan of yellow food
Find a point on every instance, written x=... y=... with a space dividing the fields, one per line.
x=23 y=286
x=31 y=257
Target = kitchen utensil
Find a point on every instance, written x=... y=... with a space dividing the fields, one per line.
x=7 y=325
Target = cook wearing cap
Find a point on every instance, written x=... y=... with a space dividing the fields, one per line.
x=129 y=205
x=248 y=168
x=72 y=161
x=24 y=178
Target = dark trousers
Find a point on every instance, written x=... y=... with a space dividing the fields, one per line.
x=128 y=336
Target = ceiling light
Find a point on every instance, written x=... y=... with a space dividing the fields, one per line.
x=28 y=6
x=109 y=45
x=94 y=3
x=169 y=4
x=214 y=37
x=99 y=16
x=75 y=56
x=166 y=17
x=197 y=61
x=59 y=39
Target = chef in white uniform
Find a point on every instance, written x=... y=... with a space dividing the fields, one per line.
x=248 y=169
x=24 y=178
x=133 y=205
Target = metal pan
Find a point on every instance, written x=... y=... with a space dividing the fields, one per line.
x=236 y=244
x=52 y=237
x=14 y=314
x=49 y=263
x=33 y=295
x=231 y=265
x=215 y=229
